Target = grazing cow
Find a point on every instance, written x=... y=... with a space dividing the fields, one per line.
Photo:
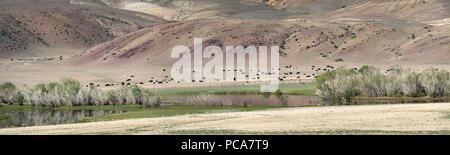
x=128 y=80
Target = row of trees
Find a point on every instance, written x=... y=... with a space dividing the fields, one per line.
x=69 y=92
x=344 y=84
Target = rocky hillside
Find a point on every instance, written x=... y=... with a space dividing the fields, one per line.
x=38 y=28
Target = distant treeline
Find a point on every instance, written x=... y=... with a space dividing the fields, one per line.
x=343 y=85
x=69 y=92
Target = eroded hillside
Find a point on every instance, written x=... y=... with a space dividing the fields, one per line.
x=38 y=28
x=300 y=41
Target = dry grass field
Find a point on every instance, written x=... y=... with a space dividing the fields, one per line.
x=360 y=119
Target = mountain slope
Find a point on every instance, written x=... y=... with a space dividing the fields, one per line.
x=180 y=10
x=413 y=10
x=301 y=42
x=37 y=29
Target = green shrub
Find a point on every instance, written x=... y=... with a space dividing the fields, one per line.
x=373 y=82
x=278 y=93
x=410 y=85
x=339 y=84
x=435 y=82
x=8 y=93
x=338 y=60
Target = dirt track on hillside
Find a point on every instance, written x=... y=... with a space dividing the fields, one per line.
x=399 y=118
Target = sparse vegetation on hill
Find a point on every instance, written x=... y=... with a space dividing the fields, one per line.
x=344 y=85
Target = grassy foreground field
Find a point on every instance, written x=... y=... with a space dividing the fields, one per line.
x=308 y=89
x=175 y=110
x=138 y=111
x=359 y=119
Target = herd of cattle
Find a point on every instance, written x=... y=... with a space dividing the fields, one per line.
x=287 y=72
